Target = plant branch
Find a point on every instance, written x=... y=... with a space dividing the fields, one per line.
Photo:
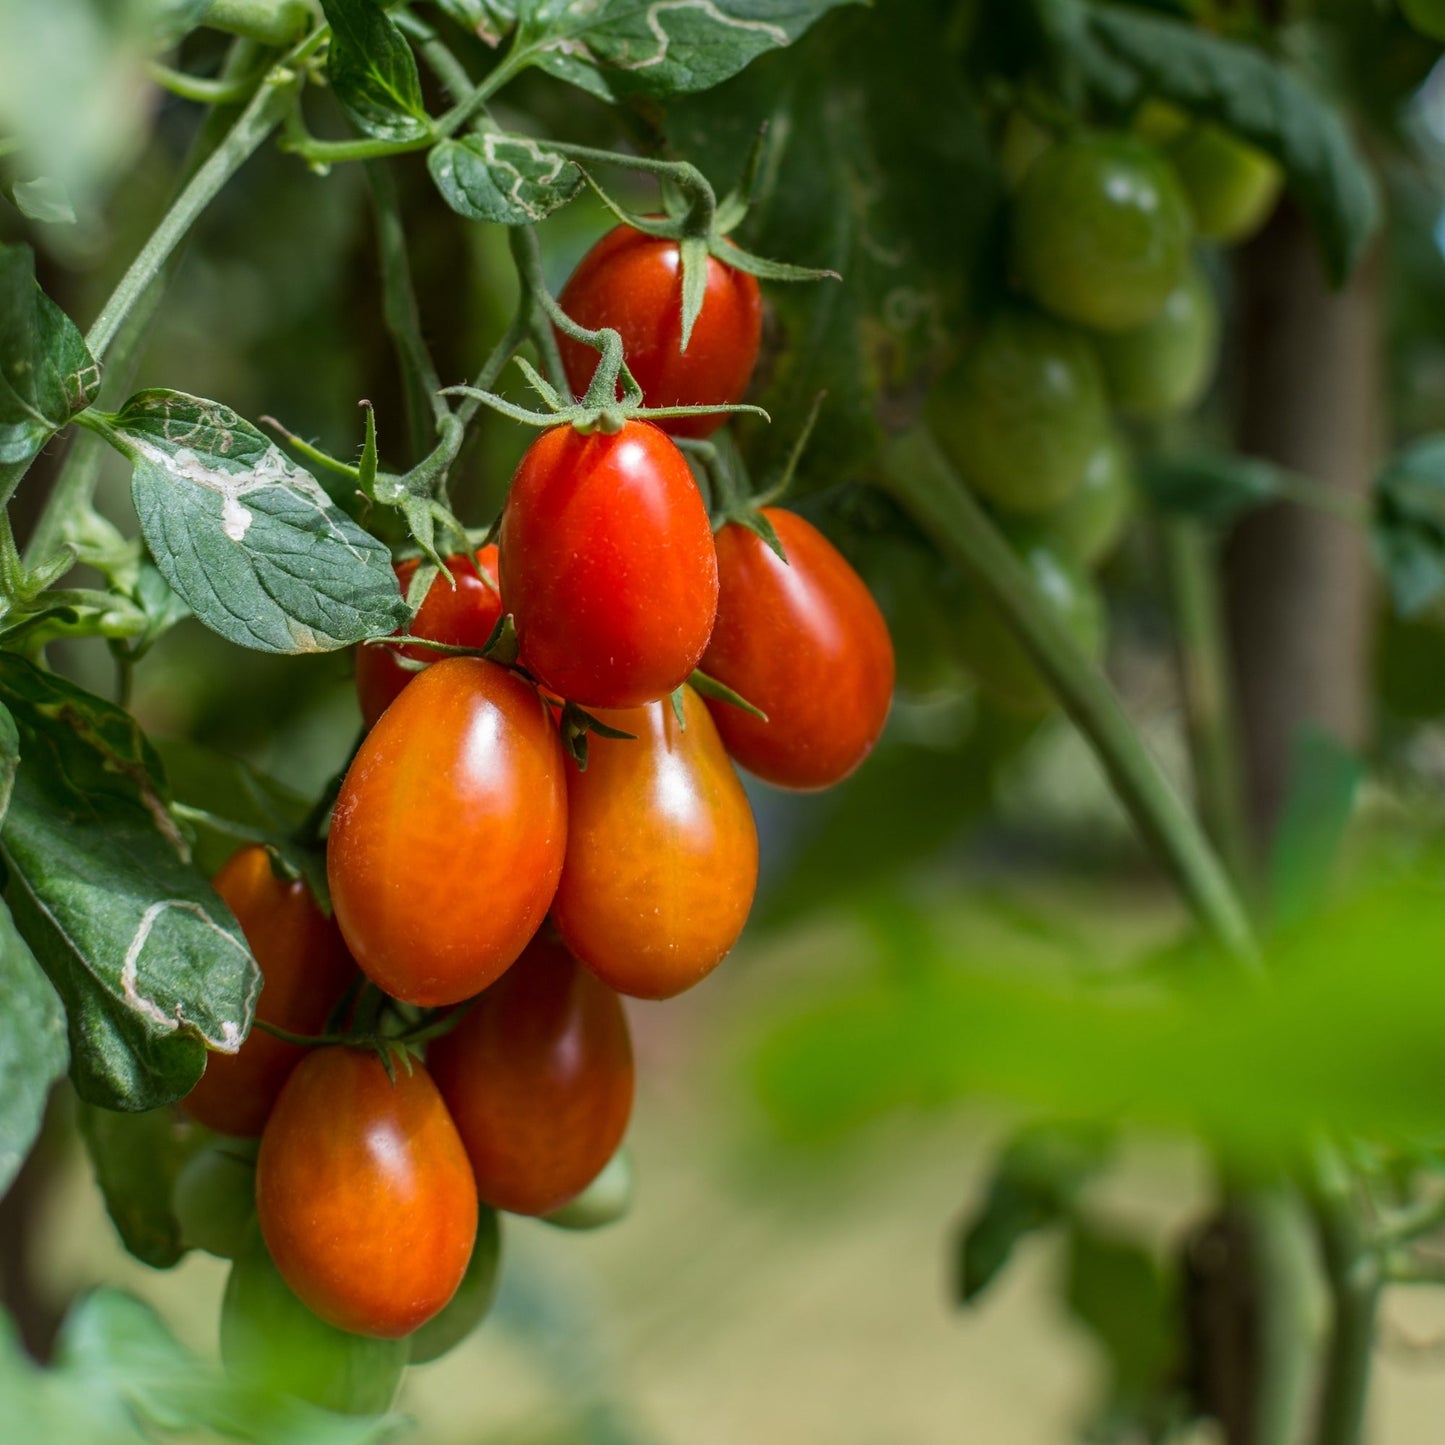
x=921 y=479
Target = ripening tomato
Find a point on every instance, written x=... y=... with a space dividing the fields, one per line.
x=1101 y=231
x=608 y=565
x=538 y=1077
x=471 y=1303
x=463 y=615
x=662 y=852
x=448 y=835
x=804 y=642
x=364 y=1193
x=632 y=283
x=305 y=969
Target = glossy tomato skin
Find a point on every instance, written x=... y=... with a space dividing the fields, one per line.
x=662 y=852
x=305 y=968
x=804 y=641
x=539 y=1079
x=364 y=1193
x=608 y=565
x=633 y=283
x=448 y=835
x=463 y=615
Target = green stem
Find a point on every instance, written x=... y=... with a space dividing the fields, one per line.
x=438 y=56
x=272 y=22
x=202 y=89
x=923 y=482
x=1204 y=673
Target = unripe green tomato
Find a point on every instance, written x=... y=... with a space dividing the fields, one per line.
x=1427 y=16
x=1087 y=528
x=1101 y=231
x=469 y=1305
x=215 y=1197
x=986 y=644
x=271 y=1339
x=604 y=1201
x=1023 y=411
x=1165 y=366
x=1232 y=186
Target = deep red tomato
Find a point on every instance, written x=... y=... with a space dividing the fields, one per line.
x=607 y=565
x=463 y=615
x=633 y=283
x=449 y=831
x=803 y=641
x=305 y=969
x=538 y=1077
x=662 y=853
x=364 y=1193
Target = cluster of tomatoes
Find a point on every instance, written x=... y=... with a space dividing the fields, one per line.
x=1110 y=317
x=499 y=893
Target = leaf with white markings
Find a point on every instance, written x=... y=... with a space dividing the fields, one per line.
x=511 y=180
x=621 y=48
x=150 y=964
x=373 y=71
x=47 y=374
x=250 y=541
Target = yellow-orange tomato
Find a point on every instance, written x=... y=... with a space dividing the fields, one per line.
x=538 y=1077
x=449 y=831
x=364 y=1193
x=662 y=853
x=305 y=969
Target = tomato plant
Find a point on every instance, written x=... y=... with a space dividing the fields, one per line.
x=305 y=969
x=633 y=282
x=801 y=639
x=364 y=1194
x=608 y=566
x=449 y=831
x=539 y=1079
x=462 y=611
x=662 y=852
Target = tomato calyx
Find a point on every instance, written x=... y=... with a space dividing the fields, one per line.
x=706 y=686
x=501 y=647
x=575 y=723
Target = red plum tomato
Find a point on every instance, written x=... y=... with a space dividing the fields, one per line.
x=632 y=283
x=463 y=614
x=608 y=565
x=662 y=852
x=538 y=1077
x=305 y=969
x=448 y=835
x=803 y=641
x=364 y=1193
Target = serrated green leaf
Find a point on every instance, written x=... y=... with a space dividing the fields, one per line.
x=373 y=71
x=32 y=1047
x=658 y=48
x=511 y=180
x=137 y=1159
x=151 y=965
x=46 y=372
x=250 y=541
x=1128 y=55
x=1410 y=526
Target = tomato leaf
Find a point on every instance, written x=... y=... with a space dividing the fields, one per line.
x=150 y=963
x=1128 y=55
x=1036 y=1181
x=250 y=541
x=137 y=1159
x=1410 y=526
x=32 y=1047
x=622 y=48
x=512 y=180
x=47 y=373
x=1212 y=487
x=373 y=71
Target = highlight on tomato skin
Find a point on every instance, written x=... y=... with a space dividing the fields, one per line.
x=805 y=643
x=662 y=852
x=632 y=282
x=539 y=1078
x=449 y=832
x=464 y=615
x=305 y=970
x=608 y=565
x=364 y=1193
